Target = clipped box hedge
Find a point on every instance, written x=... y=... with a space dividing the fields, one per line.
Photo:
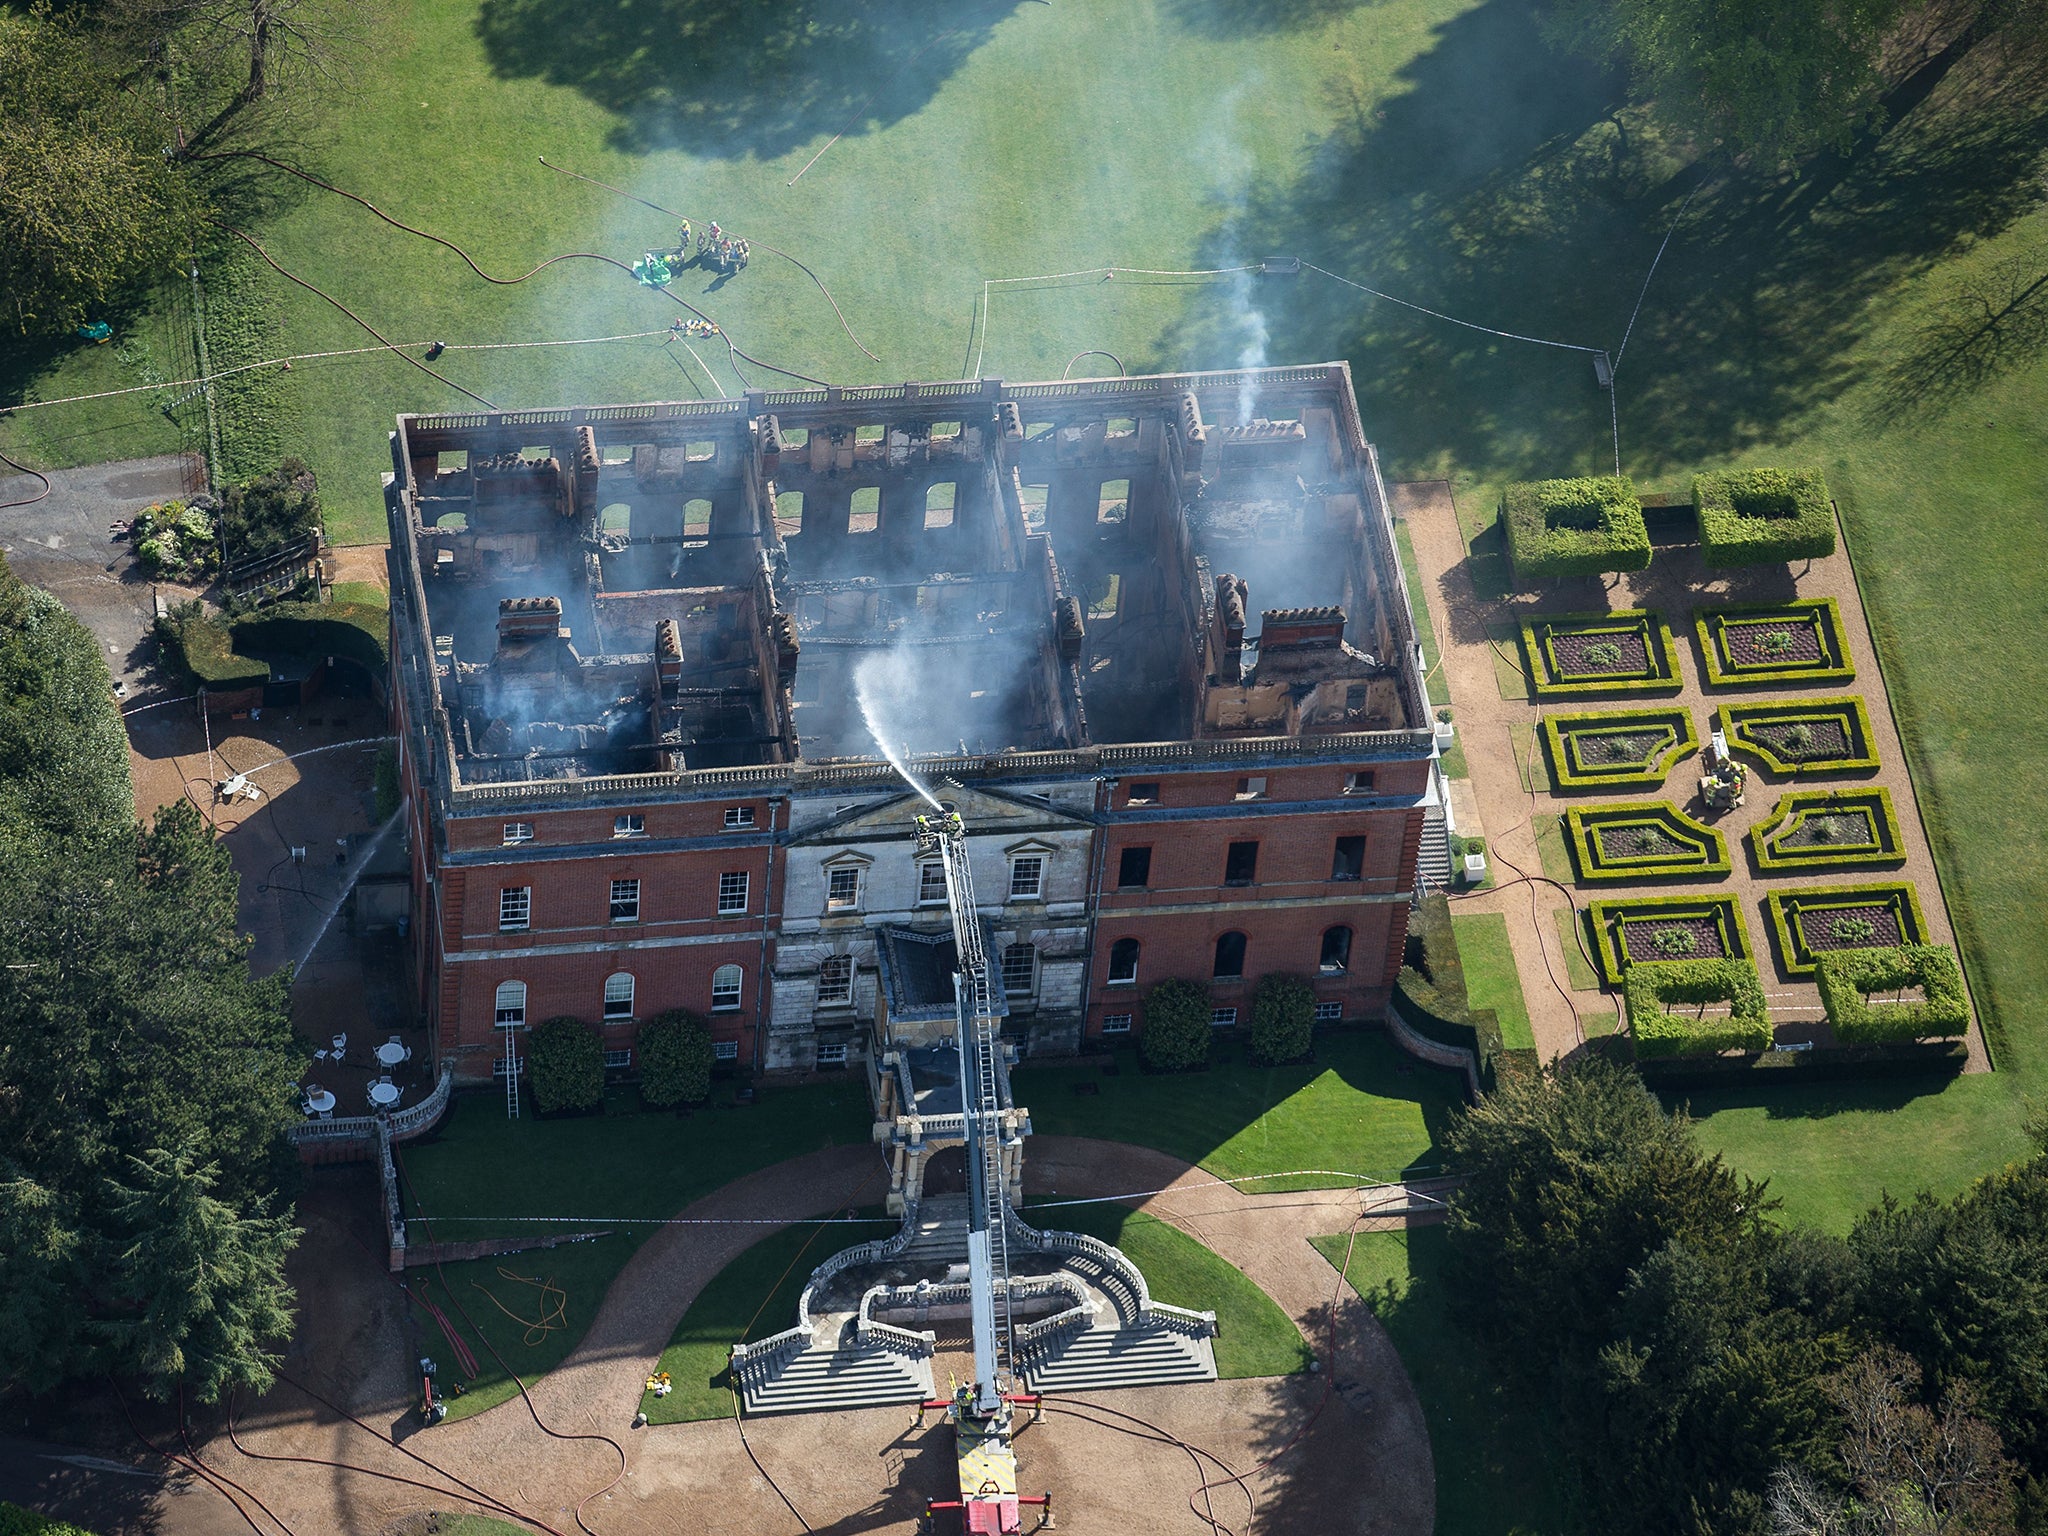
x=1582 y=527
x=1650 y=984
x=1430 y=997
x=1873 y=807
x=1726 y=670
x=1608 y=919
x=1763 y=517
x=1701 y=851
x=1848 y=976
x=1552 y=674
x=1748 y=727
x=1572 y=742
x=1783 y=909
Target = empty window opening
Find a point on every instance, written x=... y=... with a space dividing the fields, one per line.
x=697 y=519
x=1142 y=794
x=618 y=997
x=1113 y=501
x=1336 y=955
x=842 y=891
x=1104 y=596
x=1032 y=498
x=1123 y=962
x=789 y=512
x=1036 y=429
x=725 y=988
x=835 y=980
x=515 y=908
x=1251 y=789
x=1020 y=970
x=1122 y=426
x=625 y=901
x=1229 y=957
x=945 y=429
x=867 y=434
x=796 y=437
x=1348 y=861
x=807 y=687
x=1241 y=864
x=511 y=1004
x=1134 y=869
x=616 y=453
x=866 y=515
x=451 y=461
x=616 y=518
x=938 y=504
x=700 y=453
x=1358 y=783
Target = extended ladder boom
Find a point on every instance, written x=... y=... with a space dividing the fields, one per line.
x=979 y=1044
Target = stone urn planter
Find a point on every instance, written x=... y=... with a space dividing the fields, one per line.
x=1444 y=732
x=1475 y=864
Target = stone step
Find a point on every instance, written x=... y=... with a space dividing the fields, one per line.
x=1103 y=1359
x=1433 y=859
x=835 y=1380
x=941 y=1231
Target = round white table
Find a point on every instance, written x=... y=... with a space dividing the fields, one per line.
x=390 y=1053
x=320 y=1101
x=383 y=1095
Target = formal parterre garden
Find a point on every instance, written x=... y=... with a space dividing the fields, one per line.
x=1771 y=645
x=1829 y=829
x=1617 y=749
x=1795 y=737
x=1642 y=840
x=1812 y=921
x=1628 y=651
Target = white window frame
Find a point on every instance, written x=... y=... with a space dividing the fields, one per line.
x=515 y=899
x=725 y=1050
x=518 y=832
x=836 y=874
x=618 y=1060
x=518 y=1067
x=1116 y=1023
x=509 y=1015
x=733 y=888
x=1132 y=979
x=739 y=815
x=837 y=998
x=1037 y=889
x=832 y=1055
x=621 y=897
x=613 y=1014
x=1223 y=1018
x=735 y=992
x=629 y=825
x=1329 y=1013
x=1003 y=970
x=931 y=884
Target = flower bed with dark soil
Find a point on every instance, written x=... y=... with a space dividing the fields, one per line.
x=1665 y=928
x=1642 y=840
x=1617 y=748
x=1629 y=651
x=1808 y=923
x=1802 y=737
x=1829 y=829
x=1773 y=644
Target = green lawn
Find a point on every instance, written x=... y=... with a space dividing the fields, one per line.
x=1491 y=980
x=601 y=1170
x=1253 y=1336
x=753 y=1296
x=1492 y=1471
x=1362 y=1106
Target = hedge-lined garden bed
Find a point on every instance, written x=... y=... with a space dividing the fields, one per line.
x=1617 y=748
x=1853 y=981
x=1763 y=517
x=1665 y=928
x=1628 y=651
x=1829 y=829
x=1651 y=987
x=1809 y=923
x=1581 y=527
x=1642 y=840
x=1771 y=644
x=1793 y=737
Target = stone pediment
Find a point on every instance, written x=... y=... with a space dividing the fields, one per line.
x=987 y=813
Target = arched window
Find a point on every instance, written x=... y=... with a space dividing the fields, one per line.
x=725 y=988
x=1336 y=951
x=1020 y=970
x=1229 y=957
x=1123 y=962
x=511 y=1004
x=618 y=996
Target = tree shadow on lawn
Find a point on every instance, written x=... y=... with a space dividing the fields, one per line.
x=1503 y=188
x=1816 y=1101
x=736 y=78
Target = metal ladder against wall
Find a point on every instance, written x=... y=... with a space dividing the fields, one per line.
x=512 y=1072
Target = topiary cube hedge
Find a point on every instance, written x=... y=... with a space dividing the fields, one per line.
x=1763 y=516
x=1812 y=921
x=675 y=1059
x=565 y=1065
x=1651 y=984
x=1848 y=976
x=1176 y=1037
x=1582 y=527
x=1641 y=840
